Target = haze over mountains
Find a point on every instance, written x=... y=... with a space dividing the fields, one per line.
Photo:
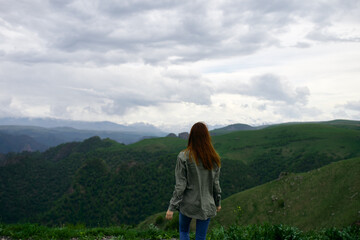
x=81 y=125
x=38 y=134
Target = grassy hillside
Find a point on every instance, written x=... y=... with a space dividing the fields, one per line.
x=256 y=157
x=231 y=128
x=325 y=197
x=345 y=124
x=288 y=140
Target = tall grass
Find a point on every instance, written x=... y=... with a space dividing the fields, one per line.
x=35 y=232
x=234 y=232
x=282 y=232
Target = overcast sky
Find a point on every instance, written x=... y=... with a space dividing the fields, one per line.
x=172 y=63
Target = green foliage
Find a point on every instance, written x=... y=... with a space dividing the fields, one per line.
x=35 y=231
x=238 y=212
x=173 y=224
x=281 y=232
x=233 y=232
x=159 y=220
x=351 y=233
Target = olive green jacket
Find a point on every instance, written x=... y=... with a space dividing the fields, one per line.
x=197 y=191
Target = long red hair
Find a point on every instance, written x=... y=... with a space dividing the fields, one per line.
x=200 y=146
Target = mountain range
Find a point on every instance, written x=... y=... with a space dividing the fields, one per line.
x=38 y=134
x=81 y=125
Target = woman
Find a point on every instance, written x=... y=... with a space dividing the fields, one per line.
x=197 y=190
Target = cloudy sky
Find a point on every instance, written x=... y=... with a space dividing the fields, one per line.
x=171 y=63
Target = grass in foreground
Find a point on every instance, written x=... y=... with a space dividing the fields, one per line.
x=35 y=231
x=253 y=232
x=282 y=232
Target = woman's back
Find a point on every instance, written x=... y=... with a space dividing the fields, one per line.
x=202 y=188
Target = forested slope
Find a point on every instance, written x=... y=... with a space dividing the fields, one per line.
x=101 y=182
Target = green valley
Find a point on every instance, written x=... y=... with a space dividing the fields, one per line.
x=99 y=182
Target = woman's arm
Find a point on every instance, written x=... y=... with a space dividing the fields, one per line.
x=217 y=190
x=180 y=186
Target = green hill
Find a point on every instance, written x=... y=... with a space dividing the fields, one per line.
x=345 y=124
x=231 y=128
x=99 y=182
x=288 y=141
x=325 y=197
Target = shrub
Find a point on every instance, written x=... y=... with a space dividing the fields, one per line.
x=159 y=220
x=281 y=232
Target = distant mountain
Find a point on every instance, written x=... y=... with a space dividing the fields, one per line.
x=49 y=137
x=49 y=132
x=182 y=135
x=19 y=143
x=341 y=123
x=351 y=124
x=143 y=128
x=232 y=128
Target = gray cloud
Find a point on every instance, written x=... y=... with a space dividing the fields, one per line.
x=352 y=105
x=295 y=113
x=322 y=35
x=302 y=45
x=5 y=102
x=269 y=87
x=120 y=8
x=61 y=90
x=260 y=107
x=60 y=57
x=83 y=31
x=187 y=87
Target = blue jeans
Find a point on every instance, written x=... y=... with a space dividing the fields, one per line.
x=184 y=227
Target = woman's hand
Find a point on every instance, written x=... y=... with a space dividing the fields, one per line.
x=218 y=208
x=169 y=215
